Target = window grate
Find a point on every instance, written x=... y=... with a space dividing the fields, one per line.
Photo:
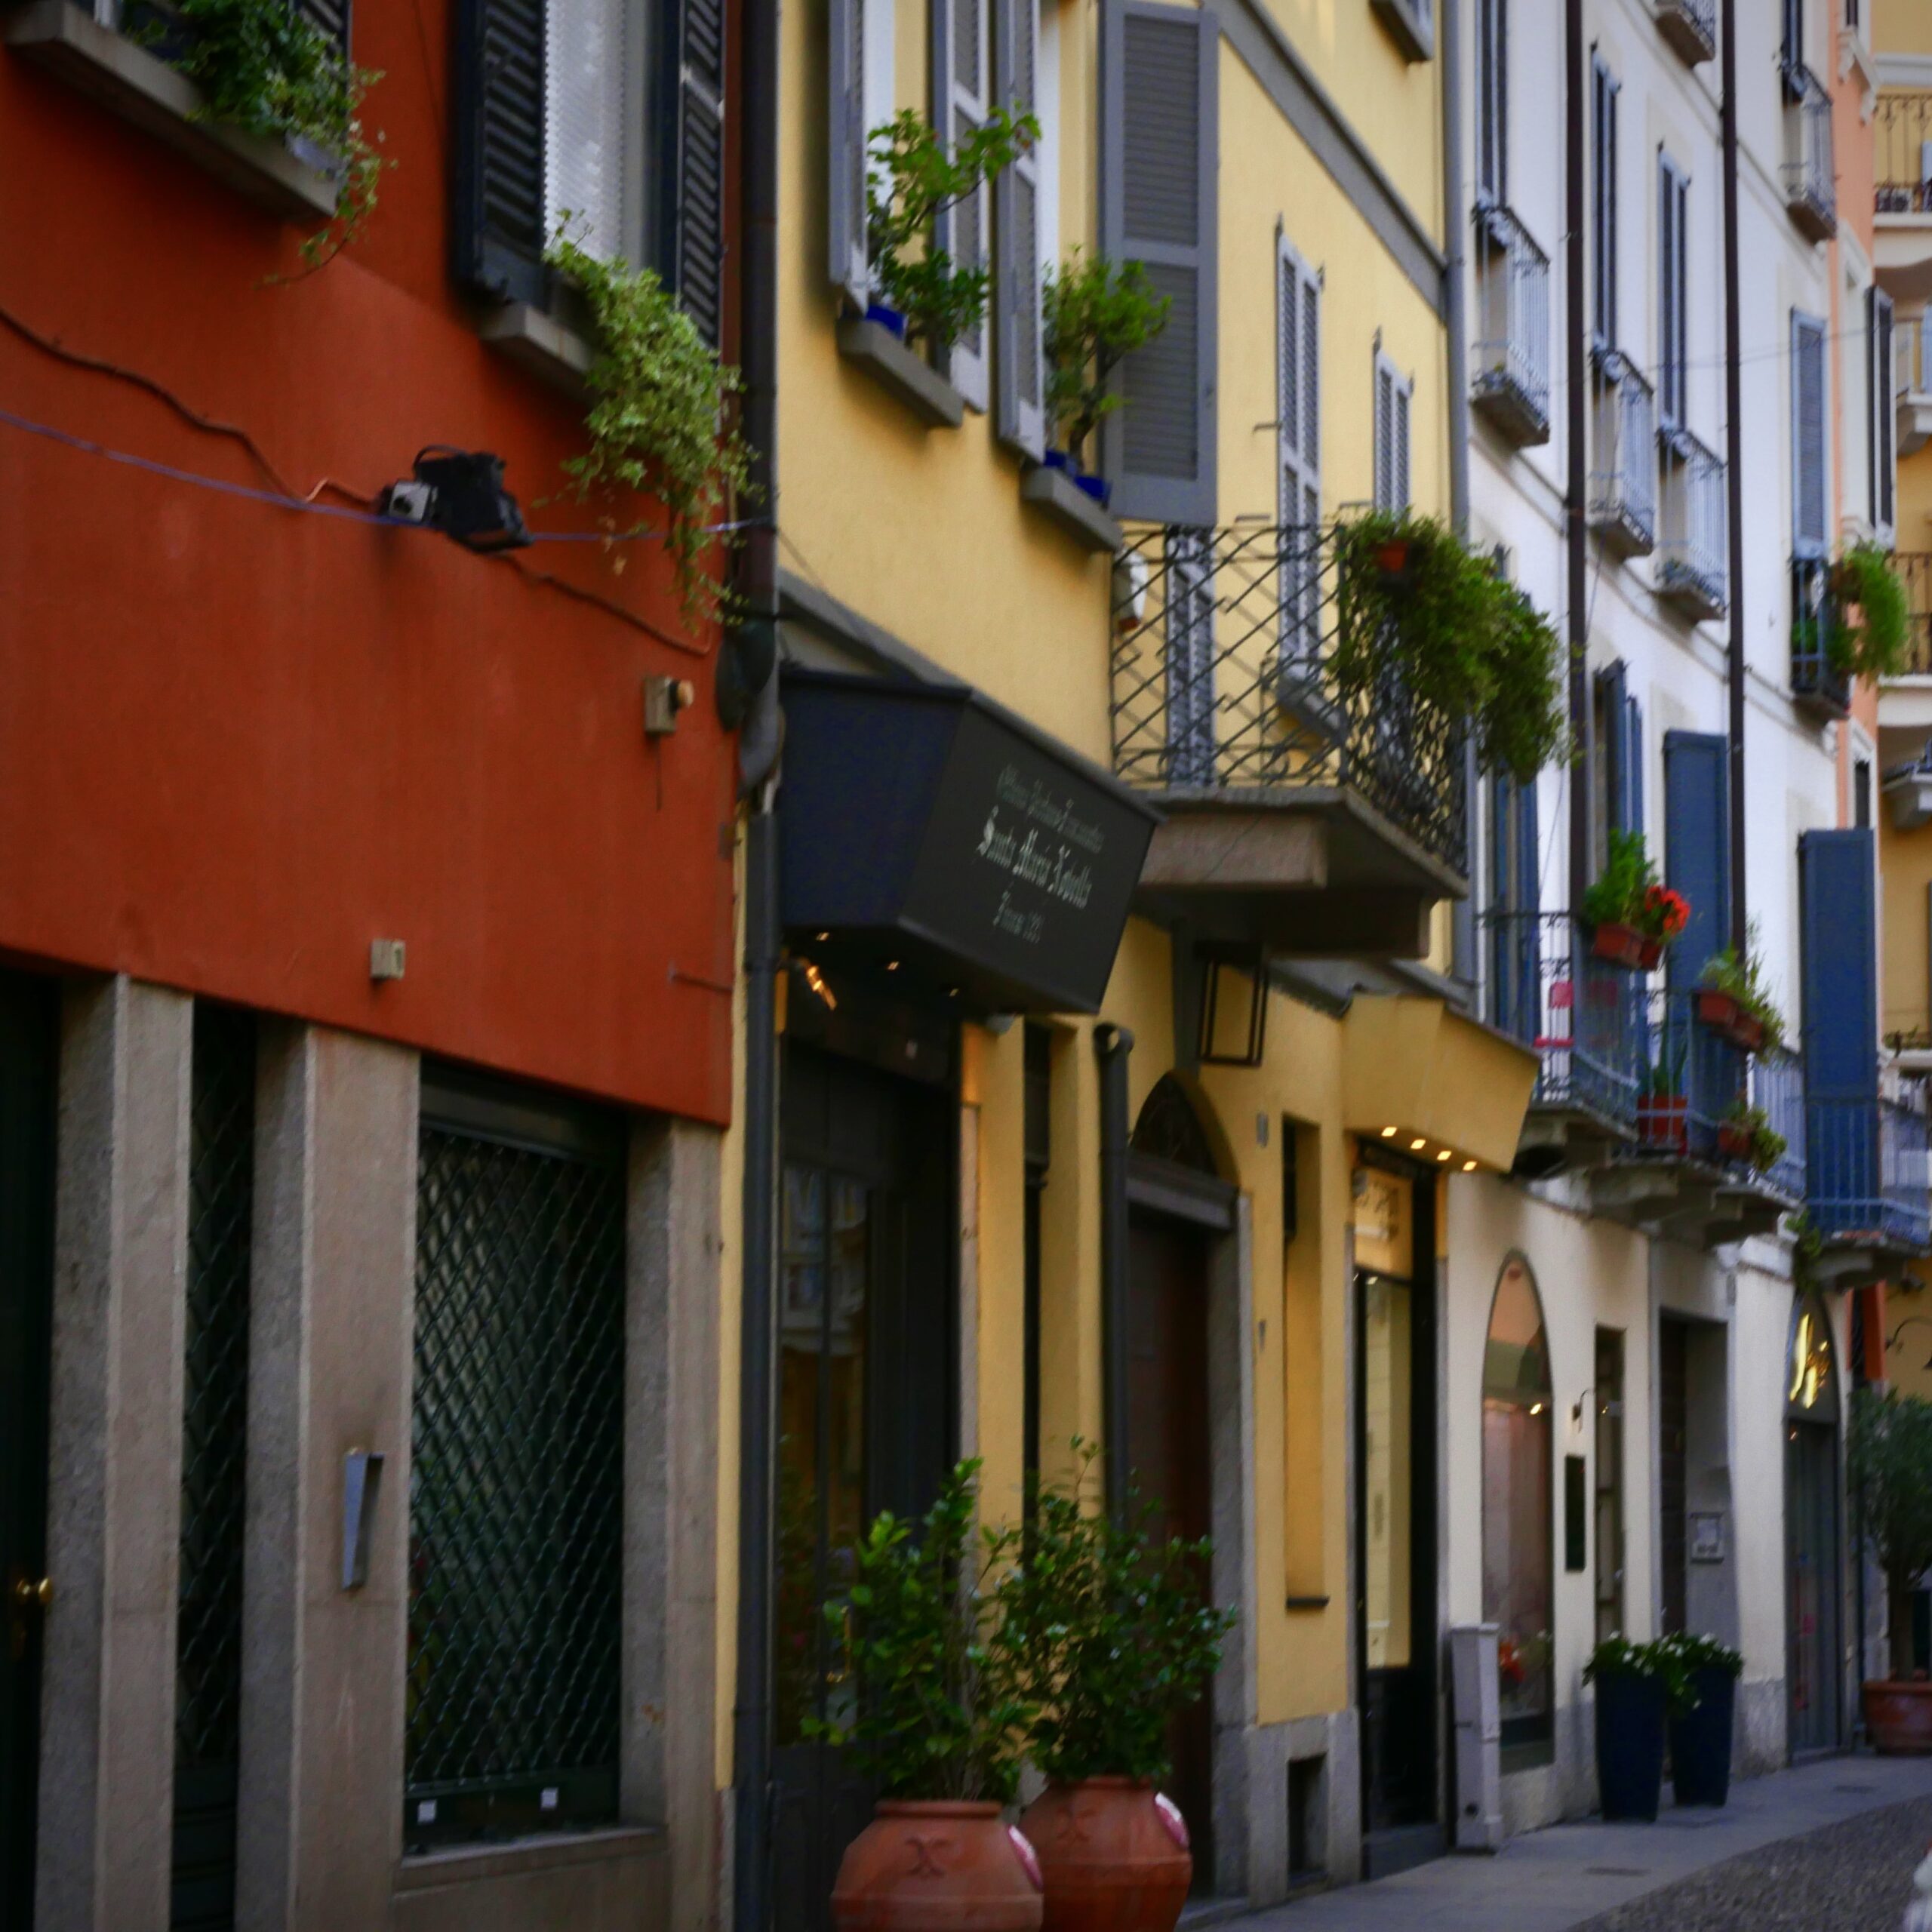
x=516 y=1489
x=208 y=1709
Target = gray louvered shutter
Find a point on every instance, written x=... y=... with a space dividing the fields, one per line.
x=698 y=258
x=1159 y=174
x=1018 y=292
x=498 y=225
x=332 y=16
x=1810 y=533
x=850 y=265
x=1393 y=394
x=1298 y=441
x=1881 y=366
x=959 y=106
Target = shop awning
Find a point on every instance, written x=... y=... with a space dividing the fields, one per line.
x=923 y=828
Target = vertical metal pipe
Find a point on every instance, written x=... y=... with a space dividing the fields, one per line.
x=1734 y=404
x=1112 y=1045
x=1574 y=521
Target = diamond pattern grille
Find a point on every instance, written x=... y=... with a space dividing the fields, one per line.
x=516 y=1489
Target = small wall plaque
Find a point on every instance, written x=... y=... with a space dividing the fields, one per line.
x=1707 y=1536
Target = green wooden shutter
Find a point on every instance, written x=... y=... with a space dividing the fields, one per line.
x=1159 y=180
x=499 y=223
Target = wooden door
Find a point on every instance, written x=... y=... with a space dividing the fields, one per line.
x=1168 y=1446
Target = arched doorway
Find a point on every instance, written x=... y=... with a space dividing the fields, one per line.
x=1518 y=1584
x=1179 y=1206
x=1811 y=1530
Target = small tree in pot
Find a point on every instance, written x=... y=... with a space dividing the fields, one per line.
x=1116 y=1638
x=938 y=1724
x=1890 y=1470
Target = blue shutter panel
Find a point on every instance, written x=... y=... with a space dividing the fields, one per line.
x=1159 y=182
x=1697 y=845
x=1633 y=763
x=498 y=225
x=1840 y=991
x=1612 y=685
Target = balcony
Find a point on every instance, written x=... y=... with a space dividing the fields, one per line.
x=1512 y=386
x=1691 y=28
x=1624 y=473
x=1865 y=1181
x=1818 y=687
x=1902 y=157
x=1810 y=182
x=1316 y=821
x=1694 y=550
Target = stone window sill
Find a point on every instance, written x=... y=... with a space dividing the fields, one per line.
x=463 y=1864
x=554 y=352
x=897 y=368
x=1062 y=500
x=148 y=94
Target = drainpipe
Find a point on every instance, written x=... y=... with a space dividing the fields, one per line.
x=1734 y=452
x=1575 y=375
x=758 y=746
x=1112 y=1045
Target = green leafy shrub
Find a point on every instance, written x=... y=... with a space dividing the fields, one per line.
x=1659 y=1662
x=1742 y=975
x=1889 y=1462
x=1695 y=1652
x=1097 y=312
x=1873 y=644
x=265 y=67
x=940 y=1712
x=1442 y=625
x=912 y=177
x=1113 y=1630
x=657 y=421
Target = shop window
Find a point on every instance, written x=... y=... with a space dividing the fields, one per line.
x=1517 y=1590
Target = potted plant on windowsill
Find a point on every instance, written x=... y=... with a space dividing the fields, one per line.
x=1631 y=918
x=1733 y=1001
x=1890 y=1468
x=1095 y=312
x=937 y=1722
x=1745 y=1134
x=1636 y=1685
x=1117 y=1636
x=1700 y=1731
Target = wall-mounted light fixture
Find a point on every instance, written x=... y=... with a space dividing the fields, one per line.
x=461 y=493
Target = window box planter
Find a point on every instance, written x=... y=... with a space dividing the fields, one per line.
x=1700 y=1739
x=1723 y=1015
x=1054 y=490
x=906 y=374
x=1625 y=945
x=148 y=93
x=1663 y=1121
x=1630 y=1725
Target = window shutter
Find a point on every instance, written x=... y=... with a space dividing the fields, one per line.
x=1838 y=915
x=1794 y=34
x=1393 y=394
x=697 y=257
x=1298 y=385
x=1159 y=177
x=1515 y=959
x=1673 y=265
x=332 y=16
x=1017 y=294
x=1633 y=765
x=1603 y=92
x=1809 y=533
x=1697 y=804
x=498 y=225
x=850 y=266
x=959 y=106
x=1881 y=367
x=1614 y=751
x=1493 y=101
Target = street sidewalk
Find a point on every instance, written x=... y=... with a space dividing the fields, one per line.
x=1561 y=1876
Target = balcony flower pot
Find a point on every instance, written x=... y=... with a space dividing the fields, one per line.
x=1113 y=1855
x=1726 y=1017
x=1391 y=557
x=1700 y=1738
x=1663 y=1120
x=1630 y=1714
x=1098 y=488
x=1898 y=1717
x=1734 y=1142
x=1058 y=459
x=891 y=320
x=1625 y=945
x=937 y=1865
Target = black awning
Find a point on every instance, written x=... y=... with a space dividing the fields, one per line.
x=922 y=824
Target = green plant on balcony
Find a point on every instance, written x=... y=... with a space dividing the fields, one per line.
x=1096 y=312
x=1869 y=615
x=657 y=420
x=913 y=177
x=1739 y=978
x=264 y=66
x=1626 y=893
x=1419 y=612
x=1746 y=1133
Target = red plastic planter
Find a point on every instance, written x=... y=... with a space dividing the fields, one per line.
x=1664 y=1120
x=1734 y=1142
x=1722 y=1014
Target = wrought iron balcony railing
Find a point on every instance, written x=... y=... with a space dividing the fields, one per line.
x=1902 y=160
x=1512 y=384
x=1817 y=684
x=1690 y=26
x=1915 y=568
x=1777 y=1087
x=1691 y=1080
x=1810 y=181
x=1224 y=682
x=1692 y=568
x=1623 y=466
x=1866 y=1175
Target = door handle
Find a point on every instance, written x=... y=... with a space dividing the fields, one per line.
x=30 y=1594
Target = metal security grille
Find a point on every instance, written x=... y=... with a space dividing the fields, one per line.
x=516 y=1482
x=208 y=1706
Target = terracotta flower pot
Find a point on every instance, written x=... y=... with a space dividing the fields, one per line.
x=1663 y=1120
x=1391 y=556
x=1734 y=1142
x=930 y=1866
x=1725 y=1017
x=1114 y=1854
x=1899 y=1716
x=1625 y=945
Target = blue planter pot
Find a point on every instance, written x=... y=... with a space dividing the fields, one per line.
x=1097 y=488
x=1700 y=1743
x=1629 y=1745
x=888 y=318
x=1057 y=459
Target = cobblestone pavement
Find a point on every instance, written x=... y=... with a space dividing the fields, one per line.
x=1852 y=1877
